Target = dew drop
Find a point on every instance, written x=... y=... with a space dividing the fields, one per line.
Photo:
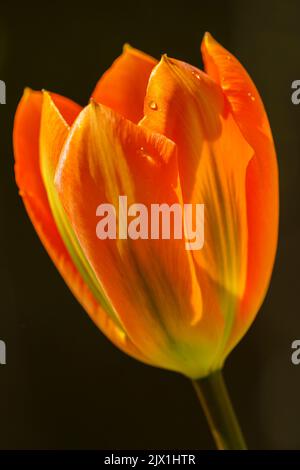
x=197 y=75
x=153 y=105
x=251 y=96
x=149 y=158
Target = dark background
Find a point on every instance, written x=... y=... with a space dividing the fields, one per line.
x=65 y=385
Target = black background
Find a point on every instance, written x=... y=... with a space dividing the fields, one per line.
x=65 y=386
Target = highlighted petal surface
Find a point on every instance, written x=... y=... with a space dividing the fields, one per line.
x=106 y=156
x=31 y=185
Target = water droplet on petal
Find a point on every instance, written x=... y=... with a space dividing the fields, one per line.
x=148 y=157
x=251 y=96
x=153 y=105
x=197 y=75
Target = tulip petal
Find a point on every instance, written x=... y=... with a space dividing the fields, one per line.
x=107 y=156
x=32 y=190
x=188 y=107
x=261 y=179
x=53 y=133
x=123 y=86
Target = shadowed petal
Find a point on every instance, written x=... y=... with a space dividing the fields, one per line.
x=123 y=86
x=261 y=178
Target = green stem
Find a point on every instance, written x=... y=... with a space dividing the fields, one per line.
x=216 y=404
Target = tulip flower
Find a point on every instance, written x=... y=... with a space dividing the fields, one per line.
x=159 y=133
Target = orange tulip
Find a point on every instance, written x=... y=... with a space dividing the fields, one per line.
x=157 y=132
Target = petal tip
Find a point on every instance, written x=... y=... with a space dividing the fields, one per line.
x=130 y=50
x=92 y=107
x=165 y=59
x=27 y=92
x=207 y=36
x=46 y=95
x=208 y=40
x=127 y=47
